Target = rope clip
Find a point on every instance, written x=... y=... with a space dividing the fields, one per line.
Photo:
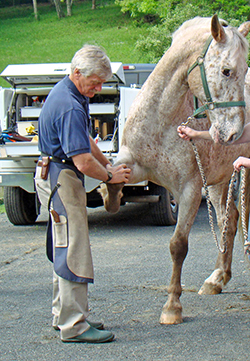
x=189 y=119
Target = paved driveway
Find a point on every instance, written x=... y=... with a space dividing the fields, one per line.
x=132 y=269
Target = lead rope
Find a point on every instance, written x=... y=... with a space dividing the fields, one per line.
x=223 y=249
x=243 y=211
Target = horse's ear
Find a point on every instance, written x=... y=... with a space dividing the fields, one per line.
x=217 y=30
x=244 y=28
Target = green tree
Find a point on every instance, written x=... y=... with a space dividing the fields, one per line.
x=137 y=8
x=59 y=9
x=172 y=14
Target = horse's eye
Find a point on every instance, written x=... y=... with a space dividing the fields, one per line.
x=226 y=72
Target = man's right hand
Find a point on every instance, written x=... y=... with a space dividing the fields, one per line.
x=121 y=173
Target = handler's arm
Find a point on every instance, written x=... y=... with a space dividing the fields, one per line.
x=97 y=153
x=90 y=166
x=95 y=165
x=188 y=133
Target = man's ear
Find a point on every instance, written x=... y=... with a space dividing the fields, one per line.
x=77 y=73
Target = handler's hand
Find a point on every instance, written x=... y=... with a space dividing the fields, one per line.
x=121 y=173
x=185 y=132
x=241 y=162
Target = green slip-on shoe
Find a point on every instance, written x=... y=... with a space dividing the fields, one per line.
x=92 y=335
x=97 y=325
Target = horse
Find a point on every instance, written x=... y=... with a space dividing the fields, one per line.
x=153 y=150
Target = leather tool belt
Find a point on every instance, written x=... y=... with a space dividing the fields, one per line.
x=46 y=159
x=44 y=163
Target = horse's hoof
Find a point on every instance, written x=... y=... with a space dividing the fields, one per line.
x=111 y=195
x=209 y=289
x=213 y=285
x=171 y=318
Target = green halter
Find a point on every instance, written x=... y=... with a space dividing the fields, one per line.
x=209 y=105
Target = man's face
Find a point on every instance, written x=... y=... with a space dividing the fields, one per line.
x=88 y=86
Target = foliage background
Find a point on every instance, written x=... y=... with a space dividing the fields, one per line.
x=168 y=15
x=131 y=31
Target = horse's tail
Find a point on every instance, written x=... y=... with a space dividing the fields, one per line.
x=243 y=209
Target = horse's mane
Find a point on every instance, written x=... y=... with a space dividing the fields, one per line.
x=199 y=25
x=195 y=22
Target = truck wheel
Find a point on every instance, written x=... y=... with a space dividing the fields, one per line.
x=21 y=206
x=164 y=212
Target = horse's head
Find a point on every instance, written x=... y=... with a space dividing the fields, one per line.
x=219 y=85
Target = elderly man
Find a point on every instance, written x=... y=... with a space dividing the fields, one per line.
x=67 y=153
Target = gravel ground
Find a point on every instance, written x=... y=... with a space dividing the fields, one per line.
x=132 y=269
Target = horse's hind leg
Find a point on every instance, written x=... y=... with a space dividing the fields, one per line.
x=188 y=207
x=222 y=273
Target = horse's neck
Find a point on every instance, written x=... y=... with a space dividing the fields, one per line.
x=172 y=70
x=247 y=95
x=168 y=85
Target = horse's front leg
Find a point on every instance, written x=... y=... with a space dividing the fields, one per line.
x=222 y=273
x=188 y=207
x=112 y=193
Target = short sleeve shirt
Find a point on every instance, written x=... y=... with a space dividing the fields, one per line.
x=63 y=125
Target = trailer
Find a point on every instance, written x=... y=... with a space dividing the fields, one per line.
x=20 y=107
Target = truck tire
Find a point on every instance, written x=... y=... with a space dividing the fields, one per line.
x=164 y=212
x=21 y=207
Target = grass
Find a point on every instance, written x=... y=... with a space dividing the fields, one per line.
x=25 y=40
x=2 y=208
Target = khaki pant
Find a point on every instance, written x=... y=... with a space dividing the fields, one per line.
x=69 y=306
x=70 y=301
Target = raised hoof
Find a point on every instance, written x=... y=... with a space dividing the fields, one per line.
x=111 y=195
x=213 y=285
x=171 y=318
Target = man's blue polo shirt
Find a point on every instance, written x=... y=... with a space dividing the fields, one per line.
x=63 y=126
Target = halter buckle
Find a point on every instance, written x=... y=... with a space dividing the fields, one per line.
x=211 y=105
x=200 y=60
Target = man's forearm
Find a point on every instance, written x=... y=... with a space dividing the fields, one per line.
x=97 y=153
x=87 y=164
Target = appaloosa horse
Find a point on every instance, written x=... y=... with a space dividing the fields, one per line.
x=153 y=150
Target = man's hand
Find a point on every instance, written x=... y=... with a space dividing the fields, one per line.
x=121 y=173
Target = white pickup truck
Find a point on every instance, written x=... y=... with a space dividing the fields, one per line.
x=20 y=106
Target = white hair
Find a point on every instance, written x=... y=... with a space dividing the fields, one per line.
x=91 y=59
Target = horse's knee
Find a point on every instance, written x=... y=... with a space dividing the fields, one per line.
x=178 y=248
